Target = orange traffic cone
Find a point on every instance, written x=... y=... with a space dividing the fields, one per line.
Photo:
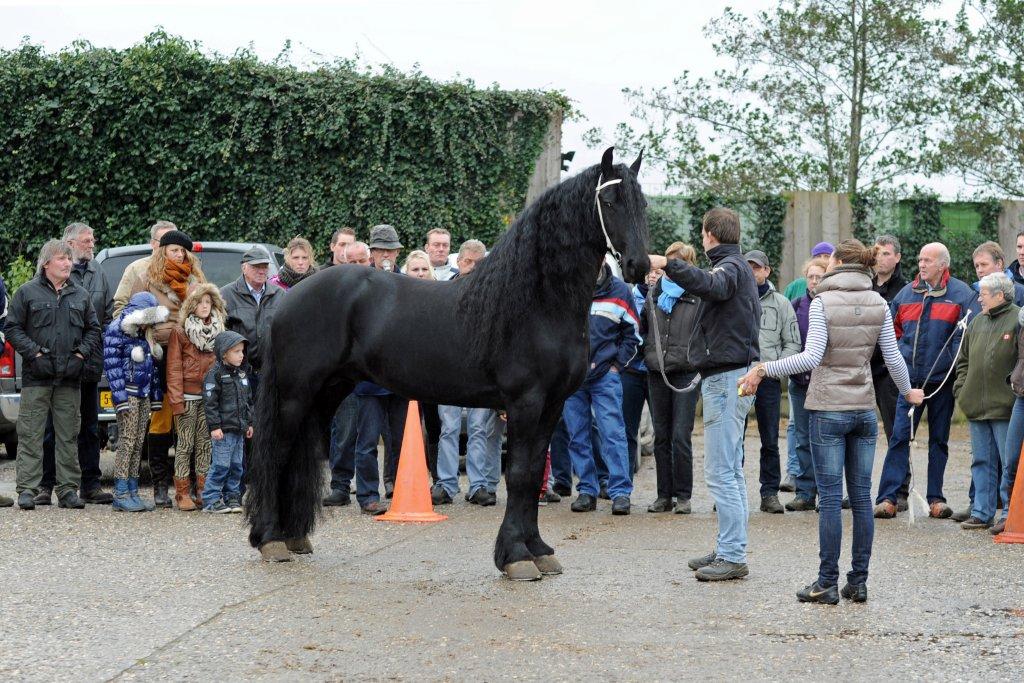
x=1013 y=532
x=411 y=502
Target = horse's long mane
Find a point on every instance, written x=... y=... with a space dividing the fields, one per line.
x=545 y=256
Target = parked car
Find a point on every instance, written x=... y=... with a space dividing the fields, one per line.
x=221 y=263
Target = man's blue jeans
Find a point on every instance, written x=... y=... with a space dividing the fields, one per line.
x=725 y=413
x=799 y=422
x=897 y=459
x=483 y=448
x=343 y=444
x=844 y=441
x=224 y=480
x=603 y=395
x=1014 y=439
x=988 y=441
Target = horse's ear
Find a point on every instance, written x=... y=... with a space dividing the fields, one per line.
x=606 y=163
x=635 y=166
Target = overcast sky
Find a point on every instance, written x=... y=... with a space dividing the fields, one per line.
x=588 y=50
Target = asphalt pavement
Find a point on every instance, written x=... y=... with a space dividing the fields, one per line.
x=96 y=595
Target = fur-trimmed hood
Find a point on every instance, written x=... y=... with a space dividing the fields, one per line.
x=142 y=309
x=188 y=307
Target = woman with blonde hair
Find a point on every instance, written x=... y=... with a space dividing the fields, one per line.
x=417 y=265
x=189 y=356
x=298 y=264
x=173 y=271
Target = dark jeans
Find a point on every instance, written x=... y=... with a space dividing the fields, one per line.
x=634 y=395
x=897 y=459
x=886 y=395
x=673 y=414
x=377 y=417
x=766 y=408
x=88 y=443
x=343 y=444
x=844 y=441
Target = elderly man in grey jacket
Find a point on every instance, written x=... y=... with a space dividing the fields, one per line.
x=250 y=302
x=779 y=337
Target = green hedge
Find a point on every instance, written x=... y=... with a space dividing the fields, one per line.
x=239 y=149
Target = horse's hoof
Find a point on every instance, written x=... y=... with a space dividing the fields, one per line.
x=524 y=570
x=547 y=565
x=299 y=546
x=275 y=551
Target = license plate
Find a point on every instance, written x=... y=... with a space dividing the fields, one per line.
x=106 y=402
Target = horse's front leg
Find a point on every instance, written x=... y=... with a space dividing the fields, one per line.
x=519 y=545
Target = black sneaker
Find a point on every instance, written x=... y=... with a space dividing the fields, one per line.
x=722 y=570
x=217 y=507
x=584 y=503
x=70 y=500
x=973 y=522
x=801 y=504
x=26 y=501
x=438 y=496
x=233 y=503
x=815 y=593
x=771 y=505
x=97 y=496
x=620 y=506
x=683 y=506
x=562 y=490
x=701 y=562
x=44 y=497
x=482 y=497
x=661 y=505
x=855 y=592
x=338 y=498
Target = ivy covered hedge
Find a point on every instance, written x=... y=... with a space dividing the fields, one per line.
x=240 y=149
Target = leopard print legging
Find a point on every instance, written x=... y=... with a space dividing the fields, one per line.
x=131 y=428
x=193 y=439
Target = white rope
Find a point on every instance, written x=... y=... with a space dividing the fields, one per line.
x=600 y=215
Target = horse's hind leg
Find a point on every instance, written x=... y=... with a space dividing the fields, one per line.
x=519 y=543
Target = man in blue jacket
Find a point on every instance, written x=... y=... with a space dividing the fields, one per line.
x=925 y=315
x=614 y=335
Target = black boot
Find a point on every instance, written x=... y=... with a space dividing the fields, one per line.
x=160 y=468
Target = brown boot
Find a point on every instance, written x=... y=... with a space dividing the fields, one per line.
x=200 y=484
x=181 y=496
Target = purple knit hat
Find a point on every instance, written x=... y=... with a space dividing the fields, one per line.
x=822 y=249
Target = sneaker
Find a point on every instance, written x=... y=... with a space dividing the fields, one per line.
x=998 y=527
x=233 y=503
x=377 y=507
x=337 y=498
x=801 y=504
x=97 y=496
x=683 y=506
x=722 y=570
x=815 y=593
x=584 y=503
x=44 y=497
x=661 y=505
x=217 y=507
x=788 y=484
x=885 y=510
x=962 y=515
x=700 y=562
x=771 y=505
x=621 y=505
x=940 y=510
x=562 y=489
x=26 y=501
x=855 y=592
x=974 y=523
x=70 y=500
x=482 y=497
x=438 y=496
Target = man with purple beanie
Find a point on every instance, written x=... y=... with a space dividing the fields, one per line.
x=797 y=288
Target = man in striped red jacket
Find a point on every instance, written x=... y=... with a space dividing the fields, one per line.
x=925 y=315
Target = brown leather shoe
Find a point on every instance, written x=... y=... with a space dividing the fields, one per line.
x=997 y=528
x=885 y=510
x=181 y=495
x=940 y=510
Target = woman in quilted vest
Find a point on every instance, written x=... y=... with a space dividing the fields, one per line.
x=845 y=321
x=189 y=356
x=130 y=353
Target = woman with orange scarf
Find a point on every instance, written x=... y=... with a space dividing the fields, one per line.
x=173 y=272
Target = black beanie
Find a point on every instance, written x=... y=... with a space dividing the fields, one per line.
x=176 y=237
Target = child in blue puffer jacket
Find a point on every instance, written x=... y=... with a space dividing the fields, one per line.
x=129 y=350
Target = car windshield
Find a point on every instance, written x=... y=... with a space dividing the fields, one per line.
x=219 y=267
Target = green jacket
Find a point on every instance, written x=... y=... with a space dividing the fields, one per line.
x=987 y=357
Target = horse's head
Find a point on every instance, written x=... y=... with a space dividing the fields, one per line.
x=623 y=209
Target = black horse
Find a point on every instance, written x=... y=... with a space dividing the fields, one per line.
x=512 y=335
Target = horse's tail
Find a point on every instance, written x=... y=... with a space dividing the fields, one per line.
x=285 y=477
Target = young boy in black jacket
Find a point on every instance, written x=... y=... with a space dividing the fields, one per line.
x=227 y=399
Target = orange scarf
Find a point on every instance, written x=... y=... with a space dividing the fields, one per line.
x=176 y=276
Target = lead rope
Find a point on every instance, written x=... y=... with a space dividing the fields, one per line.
x=657 y=347
x=915 y=495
